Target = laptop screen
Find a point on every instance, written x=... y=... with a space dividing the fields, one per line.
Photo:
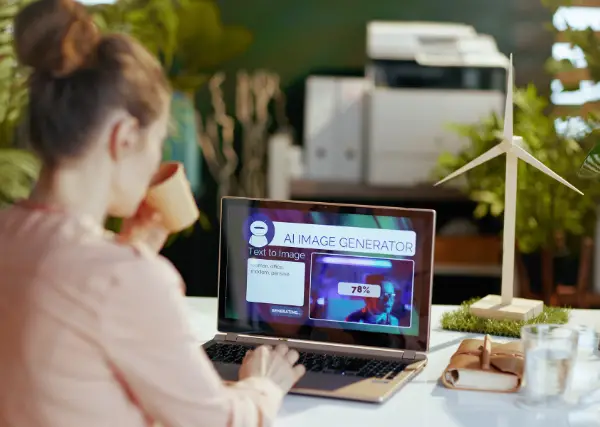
x=326 y=272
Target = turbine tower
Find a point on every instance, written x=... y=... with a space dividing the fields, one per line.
x=505 y=306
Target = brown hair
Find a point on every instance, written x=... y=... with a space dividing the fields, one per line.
x=79 y=75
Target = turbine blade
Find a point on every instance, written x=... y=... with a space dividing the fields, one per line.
x=488 y=155
x=527 y=157
x=508 y=107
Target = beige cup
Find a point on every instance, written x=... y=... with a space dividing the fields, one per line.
x=171 y=195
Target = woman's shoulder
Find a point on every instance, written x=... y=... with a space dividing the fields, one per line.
x=140 y=282
x=150 y=267
x=135 y=261
x=71 y=253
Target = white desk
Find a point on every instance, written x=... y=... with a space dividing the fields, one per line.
x=422 y=402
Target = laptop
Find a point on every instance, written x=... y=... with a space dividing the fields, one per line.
x=347 y=286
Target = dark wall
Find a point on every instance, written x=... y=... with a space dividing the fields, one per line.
x=294 y=38
x=533 y=43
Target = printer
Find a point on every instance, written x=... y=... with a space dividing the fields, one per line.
x=390 y=127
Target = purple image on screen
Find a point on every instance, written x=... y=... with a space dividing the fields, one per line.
x=360 y=289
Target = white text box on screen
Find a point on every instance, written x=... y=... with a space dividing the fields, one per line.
x=275 y=282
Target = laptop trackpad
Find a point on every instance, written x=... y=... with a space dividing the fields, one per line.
x=227 y=371
x=325 y=382
x=311 y=380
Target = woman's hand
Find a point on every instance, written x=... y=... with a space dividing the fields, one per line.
x=144 y=227
x=276 y=364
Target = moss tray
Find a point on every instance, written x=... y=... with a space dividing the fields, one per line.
x=462 y=320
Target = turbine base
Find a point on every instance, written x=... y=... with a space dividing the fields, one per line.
x=491 y=307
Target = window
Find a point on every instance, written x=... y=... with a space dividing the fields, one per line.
x=578 y=18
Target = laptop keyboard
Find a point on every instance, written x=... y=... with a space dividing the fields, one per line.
x=316 y=362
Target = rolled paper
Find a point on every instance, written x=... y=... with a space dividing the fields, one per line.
x=171 y=195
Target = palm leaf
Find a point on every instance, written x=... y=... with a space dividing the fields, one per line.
x=18 y=168
x=18 y=172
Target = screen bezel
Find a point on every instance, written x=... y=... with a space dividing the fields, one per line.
x=312 y=333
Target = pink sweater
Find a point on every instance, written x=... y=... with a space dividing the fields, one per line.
x=94 y=334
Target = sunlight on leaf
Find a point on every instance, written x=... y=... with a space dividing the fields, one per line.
x=481 y=210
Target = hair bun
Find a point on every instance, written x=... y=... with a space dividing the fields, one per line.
x=55 y=36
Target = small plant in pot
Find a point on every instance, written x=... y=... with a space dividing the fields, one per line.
x=551 y=219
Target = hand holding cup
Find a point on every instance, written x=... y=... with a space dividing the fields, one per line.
x=169 y=207
x=146 y=226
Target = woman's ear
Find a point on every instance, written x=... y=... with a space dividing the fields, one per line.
x=124 y=137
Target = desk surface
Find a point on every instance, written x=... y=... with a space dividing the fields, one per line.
x=422 y=402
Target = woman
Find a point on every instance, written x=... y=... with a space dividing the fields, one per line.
x=92 y=327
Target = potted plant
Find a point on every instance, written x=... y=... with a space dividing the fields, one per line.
x=18 y=167
x=546 y=210
x=548 y=216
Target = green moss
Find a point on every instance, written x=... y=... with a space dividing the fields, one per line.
x=462 y=320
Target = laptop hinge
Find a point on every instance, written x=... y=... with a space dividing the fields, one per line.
x=409 y=355
x=231 y=337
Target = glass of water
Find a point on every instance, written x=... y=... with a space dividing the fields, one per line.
x=550 y=354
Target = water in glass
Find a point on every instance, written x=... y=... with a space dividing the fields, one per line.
x=550 y=354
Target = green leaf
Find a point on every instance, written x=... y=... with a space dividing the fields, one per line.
x=18 y=173
x=113 y=224
x=497 y=208
x=485 y=197
x=204 y=221
x=554 y=66
x=481 y=210
x=8 y=10
x=199 y=23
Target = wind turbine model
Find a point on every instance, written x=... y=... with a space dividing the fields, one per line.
x=505 y=306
